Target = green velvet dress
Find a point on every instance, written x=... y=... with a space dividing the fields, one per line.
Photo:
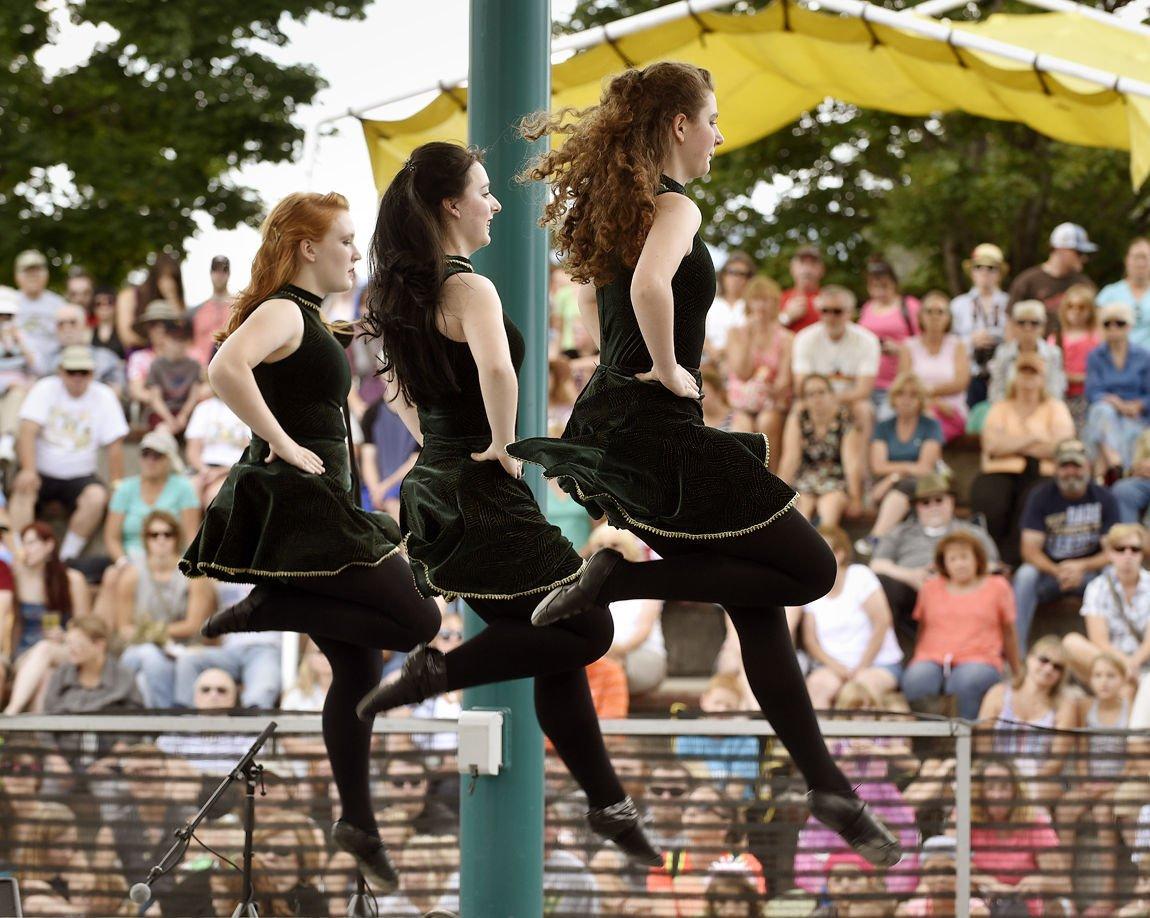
x=642 y=455
x=469 y=528
x=272 y=521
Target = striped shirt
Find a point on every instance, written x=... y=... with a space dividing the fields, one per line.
x=1101 y=600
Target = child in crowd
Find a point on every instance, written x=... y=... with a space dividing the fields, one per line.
x=173 y=381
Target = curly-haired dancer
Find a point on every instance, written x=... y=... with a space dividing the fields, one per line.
x=471 y=525
x=287 y=516
x=636 y=446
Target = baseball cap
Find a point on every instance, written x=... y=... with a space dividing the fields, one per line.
x=162 y=442
x=221 y=263
x=1029 y=309
x=1071 y=236
x=931 y=485
x=30 y=258
x=9 y=302
x=1071 y=451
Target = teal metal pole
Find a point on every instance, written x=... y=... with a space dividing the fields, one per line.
x=501 y=869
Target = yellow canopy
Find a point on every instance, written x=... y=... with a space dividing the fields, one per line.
x=771 y=66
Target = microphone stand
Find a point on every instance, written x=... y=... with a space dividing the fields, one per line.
x=358 y=906
x=251 y=774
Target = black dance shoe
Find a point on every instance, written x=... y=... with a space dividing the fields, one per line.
x=370 y=856
x=620 y=824
x=424 y=674
x=858 y=826
x=580 y=595
x=235 y=618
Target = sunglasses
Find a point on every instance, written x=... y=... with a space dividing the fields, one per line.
x=935 y=312
x=930 y=501
x=1046 y=661
x=1115 y=323
x=1028 y=323
x=451 y=634
x=831 y=311
x=21 y=769
x=405 y=783
x=151 y=454
x=213 y=690
x=986 y=268
x=161 y=534
x=1128 y=549
x=77 y=373
x=666 y=790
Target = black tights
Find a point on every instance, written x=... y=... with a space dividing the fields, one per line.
x=752 y=576
x=510 y=647
x=351 y=616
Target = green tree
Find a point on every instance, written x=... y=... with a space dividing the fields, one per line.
x=107 y=162
x=925 y=190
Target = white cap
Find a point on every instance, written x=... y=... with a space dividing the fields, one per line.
x=1071 y=236
x=9 y=301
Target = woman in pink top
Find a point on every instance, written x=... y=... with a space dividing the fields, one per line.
x=1077 y=335
x=892 y=317
x=966 y=627
x=1015 y=851
x=940 y=360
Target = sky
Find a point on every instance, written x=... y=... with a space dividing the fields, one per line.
x=401 y=46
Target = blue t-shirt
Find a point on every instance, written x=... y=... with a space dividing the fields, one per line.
x=178 y=494
x=898 y=451
x=1074 y=529
x=393 y=442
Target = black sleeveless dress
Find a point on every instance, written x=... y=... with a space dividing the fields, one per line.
x=642 y=455
x=271 y=521
x=469 y=528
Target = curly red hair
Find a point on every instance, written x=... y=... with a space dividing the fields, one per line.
x=605 y=175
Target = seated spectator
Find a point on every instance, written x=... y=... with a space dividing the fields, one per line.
x=289 y=850
x=446 y=704
x=966 y=627
x=716 y=409
x=388 y=453
x=164 y=283
x=841 y=351
x=103 y=322
x=759 y=364
x=847 y=887
x=608 y=683
x=1133 y=289
x=903 y=449
x=1095 y=775
x=1016 y=856
x=728 y=760
x=251 y=658
x=730 y=890
x=64 y=423
x=1116 y=607
x=312 y=682
x=728 y=309
x=848 y=632
x=798 y=302
x=212 y=314
x=1046 y=282
x=892 y=317
x=161 y=485
x=1133 y=491
x=1018 y=442
x=1118 y=392
x=936 y=888
x=90 y=681
x=1035 y=698
x=158 y=610
x=571 y=888
x=889 y=756
x=664 y=796
x=1077 y=335
x=16 y=362
x=215 y=439
x=823 y=454
x=44 y=594
x=36 y=308
x=215 y=692
x=939 y=358
x=1062 y=527
x=1025 y=336
x=173 y=383
x=72 y=331
x=980 y=315
x=157 y=323
x=904 y=559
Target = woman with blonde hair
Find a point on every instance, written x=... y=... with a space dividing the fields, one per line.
x=287 y=518
x=759 y=363
x=636 y=447
x=939 y=358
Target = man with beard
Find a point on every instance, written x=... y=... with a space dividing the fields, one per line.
x=1062 y=527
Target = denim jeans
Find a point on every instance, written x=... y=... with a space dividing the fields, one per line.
x=1032 y=588
x=255 y=666
x=1133 y=496
x=968 y=682
x=1106 y=427
x=155 y=673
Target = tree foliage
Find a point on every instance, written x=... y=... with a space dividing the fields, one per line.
x=107 y=162
x=923 y=191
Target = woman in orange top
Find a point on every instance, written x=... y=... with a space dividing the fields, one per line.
x=1018 y=440
x=966 y=627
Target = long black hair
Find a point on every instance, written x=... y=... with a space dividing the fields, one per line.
x=407 y=270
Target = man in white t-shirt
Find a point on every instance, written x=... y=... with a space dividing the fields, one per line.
x=216 y=440
x=36 y=310
x=846 y=353
x=65 y=421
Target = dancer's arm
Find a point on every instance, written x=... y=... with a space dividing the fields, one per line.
x=588 y=302
x=481 y=321
x=671 y=239
x=272 y=332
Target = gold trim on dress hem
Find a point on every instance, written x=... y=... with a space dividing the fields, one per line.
x=451 y=594
x=188 y=570
x=665 y=532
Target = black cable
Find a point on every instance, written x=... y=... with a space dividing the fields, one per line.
x=233 y=864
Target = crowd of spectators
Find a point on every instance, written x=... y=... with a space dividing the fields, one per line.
x=941 y=588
